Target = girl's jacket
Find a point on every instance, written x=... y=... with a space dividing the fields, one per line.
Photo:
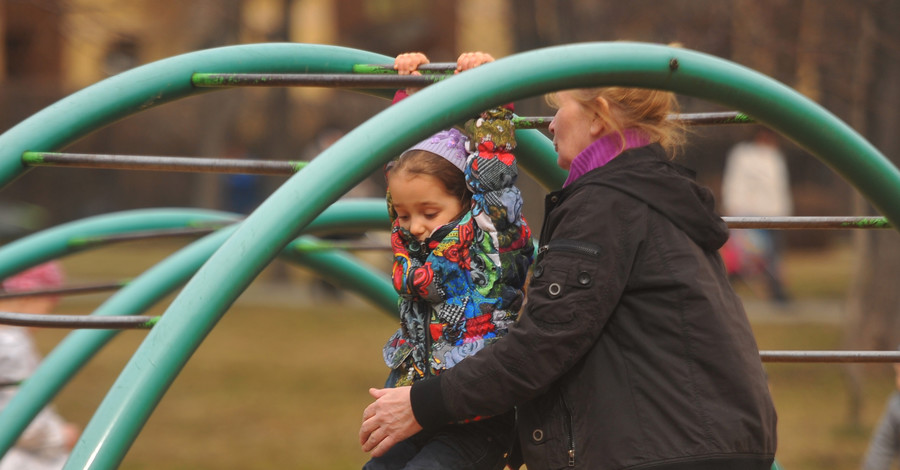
x=463 y=287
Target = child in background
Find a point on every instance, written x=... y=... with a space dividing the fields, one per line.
x=46 y=442
x=462 y=250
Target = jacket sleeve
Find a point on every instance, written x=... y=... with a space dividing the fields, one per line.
x=576 y=285
x=491 y=173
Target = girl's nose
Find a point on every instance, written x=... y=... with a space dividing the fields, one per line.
x=418 y=229
x=553 y=125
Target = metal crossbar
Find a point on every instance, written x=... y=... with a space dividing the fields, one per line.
x=102 y=322
x=67 y=290
x=157 y=163
x=146 y=322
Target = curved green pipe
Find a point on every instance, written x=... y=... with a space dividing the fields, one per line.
x=80 y=346
x=215 y=286
x=160 y=82
x=56 y=241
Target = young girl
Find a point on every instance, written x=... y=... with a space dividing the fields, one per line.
x=462 y=250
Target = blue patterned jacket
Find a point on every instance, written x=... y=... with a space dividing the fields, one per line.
x=462 y=288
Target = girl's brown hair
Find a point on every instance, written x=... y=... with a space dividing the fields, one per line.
x=423 y=162
x=634 y=108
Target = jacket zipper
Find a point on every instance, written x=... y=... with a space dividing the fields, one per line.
x=570 y=433
x=573 y=246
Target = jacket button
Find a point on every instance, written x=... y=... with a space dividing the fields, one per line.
x=584 y=278
x=554 y=198
x=554 y=289
x=537 y=435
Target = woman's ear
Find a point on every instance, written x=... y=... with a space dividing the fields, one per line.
x=601 y=115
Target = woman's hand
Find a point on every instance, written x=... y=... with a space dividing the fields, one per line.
x=470 y=60
x=387 y=421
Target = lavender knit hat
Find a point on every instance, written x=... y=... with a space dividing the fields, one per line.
x=450 y=144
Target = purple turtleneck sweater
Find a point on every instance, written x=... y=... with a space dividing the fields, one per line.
x=602 y=150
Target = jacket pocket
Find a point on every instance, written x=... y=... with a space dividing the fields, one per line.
x=544 y=432
x=563 y=274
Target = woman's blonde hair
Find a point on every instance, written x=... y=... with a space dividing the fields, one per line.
x=634 y=108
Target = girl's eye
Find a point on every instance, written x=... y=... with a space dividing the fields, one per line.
x=431 y=216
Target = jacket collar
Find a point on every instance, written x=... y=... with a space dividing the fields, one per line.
x=604 y=149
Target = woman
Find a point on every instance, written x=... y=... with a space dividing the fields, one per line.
x=633 y=351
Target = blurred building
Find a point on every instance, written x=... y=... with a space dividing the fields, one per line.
x=52 y=48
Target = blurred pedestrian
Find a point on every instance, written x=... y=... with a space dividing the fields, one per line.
x=46 y=442
x=756 y=184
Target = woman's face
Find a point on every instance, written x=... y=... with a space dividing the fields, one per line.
x=571 y=128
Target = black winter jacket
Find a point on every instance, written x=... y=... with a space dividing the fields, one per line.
x=633 y=351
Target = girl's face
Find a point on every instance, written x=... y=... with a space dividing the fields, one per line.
x=573 y=128
x=422 y=202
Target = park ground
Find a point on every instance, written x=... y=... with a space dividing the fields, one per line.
x=281 y=381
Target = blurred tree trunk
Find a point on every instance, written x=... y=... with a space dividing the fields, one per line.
x=219 y=120
x=751 y=26
x=872 y=305
x=809 y=42
x=278 y=144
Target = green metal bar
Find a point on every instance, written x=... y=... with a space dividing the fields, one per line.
x=77 y=348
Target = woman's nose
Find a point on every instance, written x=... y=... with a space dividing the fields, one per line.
x=553 y=125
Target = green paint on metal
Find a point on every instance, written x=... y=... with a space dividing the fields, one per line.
x=33 y=158
x=210 y=79
x=529 y=123
x=150 y=323
x=298 y=165
x=373 y=69
x=743 y=118
x=869 y=222
x=377 y=69
x=200 y=79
